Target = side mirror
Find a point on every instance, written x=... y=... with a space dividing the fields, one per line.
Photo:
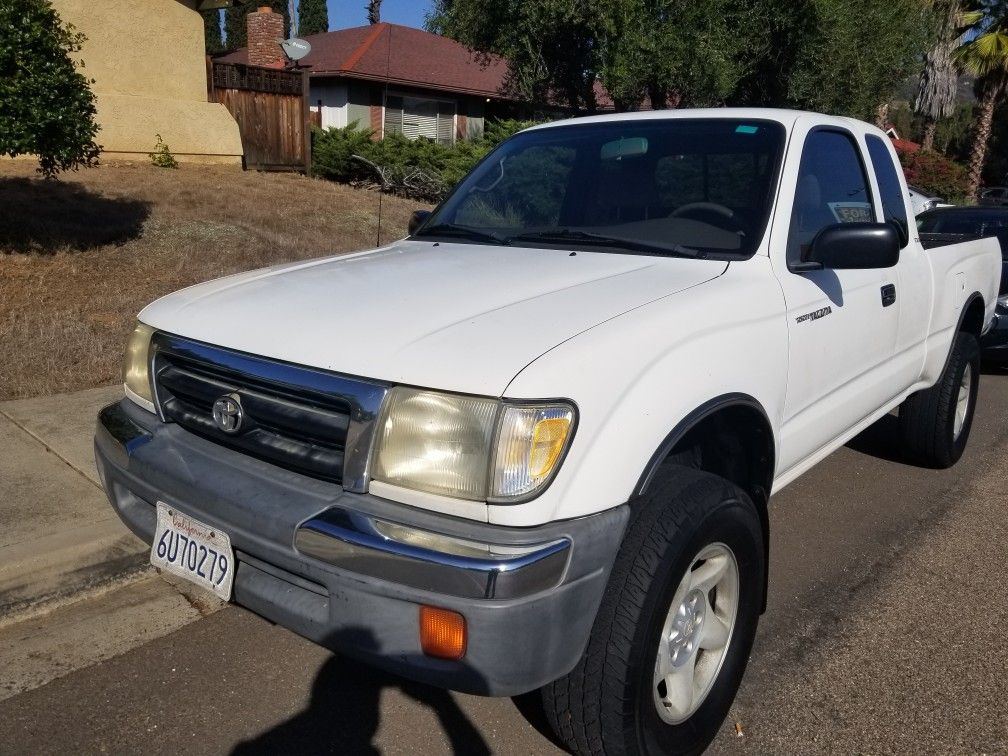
x=845 y=246
x=417 y=219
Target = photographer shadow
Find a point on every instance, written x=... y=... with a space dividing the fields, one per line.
x=344 y=712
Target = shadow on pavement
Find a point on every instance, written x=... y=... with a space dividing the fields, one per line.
x=881 y=439
x=344 y=714
x=530 y=706
x=46 y=216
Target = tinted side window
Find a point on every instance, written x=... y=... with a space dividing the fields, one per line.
x=832 y=188
x=893 y=206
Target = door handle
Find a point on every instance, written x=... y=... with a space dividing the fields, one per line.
x=888 y=294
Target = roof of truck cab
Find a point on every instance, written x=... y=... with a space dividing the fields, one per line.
x=786 y=117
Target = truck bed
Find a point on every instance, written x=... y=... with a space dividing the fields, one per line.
x=935 y=239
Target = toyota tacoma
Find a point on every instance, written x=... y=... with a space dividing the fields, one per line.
x=531 y=446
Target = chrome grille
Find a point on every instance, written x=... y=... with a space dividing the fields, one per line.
x=310 y=421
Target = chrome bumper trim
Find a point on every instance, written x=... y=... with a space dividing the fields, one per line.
x=431 y=561
x=125 y=435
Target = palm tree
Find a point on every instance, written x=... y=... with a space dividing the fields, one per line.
x=374 y=11
x=985 y=56
x=936 y=90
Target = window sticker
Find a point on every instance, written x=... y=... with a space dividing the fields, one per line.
x=851 y=212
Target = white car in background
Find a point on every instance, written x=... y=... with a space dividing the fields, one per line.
x=921 y=200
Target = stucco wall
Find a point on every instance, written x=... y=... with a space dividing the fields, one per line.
x=147 y=60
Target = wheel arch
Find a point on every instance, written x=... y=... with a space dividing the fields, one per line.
x=971 y=319
x=716 y=412
x=735 y=423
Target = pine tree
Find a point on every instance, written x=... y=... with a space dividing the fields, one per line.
x=313 y=17
x=235 y=32
x=212 y=31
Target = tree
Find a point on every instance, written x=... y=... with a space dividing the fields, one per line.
x=939 y=81
x=851 y=55
x=46 y=105
x=552 y=46
x=840 y=56
x=212 y=32
x=676 y=52
x=985 y=56
x=374 y=11
x=313 y=17
x=235 y=31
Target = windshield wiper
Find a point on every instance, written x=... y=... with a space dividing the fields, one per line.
x=453 y=229
x=601 y=240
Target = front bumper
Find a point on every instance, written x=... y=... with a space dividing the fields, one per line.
x=349 y=571
x=994 y=344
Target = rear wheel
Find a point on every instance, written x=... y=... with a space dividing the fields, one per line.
x=672 y=637
x=935 y=424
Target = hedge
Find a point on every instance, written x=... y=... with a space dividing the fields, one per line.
x=415 y=168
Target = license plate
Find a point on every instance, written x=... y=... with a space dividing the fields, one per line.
x=194 y=551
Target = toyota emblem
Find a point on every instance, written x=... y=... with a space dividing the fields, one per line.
x=227 y=413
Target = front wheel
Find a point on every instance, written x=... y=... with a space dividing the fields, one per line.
x=672 y=637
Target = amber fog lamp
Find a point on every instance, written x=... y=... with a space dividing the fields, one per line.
x=442 y=633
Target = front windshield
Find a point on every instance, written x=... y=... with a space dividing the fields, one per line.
x=694 y=187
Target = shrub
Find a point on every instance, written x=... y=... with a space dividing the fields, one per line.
x=333 y=151
x=46 y=104
x=162 y=156
x=415 y=168
x=934 y=173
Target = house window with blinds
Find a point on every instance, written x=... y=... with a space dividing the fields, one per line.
x=415 y=117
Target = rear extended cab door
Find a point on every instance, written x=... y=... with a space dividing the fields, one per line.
x=843 y=325
x=915 y=287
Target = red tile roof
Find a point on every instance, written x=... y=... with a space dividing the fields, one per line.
x=905 y=145
x=401 y=55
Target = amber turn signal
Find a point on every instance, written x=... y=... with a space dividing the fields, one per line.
x=442 y=633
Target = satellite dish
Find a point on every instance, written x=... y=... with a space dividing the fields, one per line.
x=295 y=48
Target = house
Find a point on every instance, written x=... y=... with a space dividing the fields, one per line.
x=148 y=62
x=397 y=79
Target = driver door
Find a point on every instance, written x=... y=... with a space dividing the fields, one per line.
x=842 y=325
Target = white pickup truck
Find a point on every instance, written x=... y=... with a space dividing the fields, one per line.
x=531 y=445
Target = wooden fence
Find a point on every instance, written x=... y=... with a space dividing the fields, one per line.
x=271 y=108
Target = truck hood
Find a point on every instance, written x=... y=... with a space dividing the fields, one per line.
x=459 y=317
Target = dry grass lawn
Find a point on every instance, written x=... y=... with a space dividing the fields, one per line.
x=79 y=257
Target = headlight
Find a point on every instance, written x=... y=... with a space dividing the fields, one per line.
x=136 y=365
x=469 y=447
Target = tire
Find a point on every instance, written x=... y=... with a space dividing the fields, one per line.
x=932 y=433
x=609 y=703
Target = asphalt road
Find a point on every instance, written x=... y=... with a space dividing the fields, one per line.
x=885 y=633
